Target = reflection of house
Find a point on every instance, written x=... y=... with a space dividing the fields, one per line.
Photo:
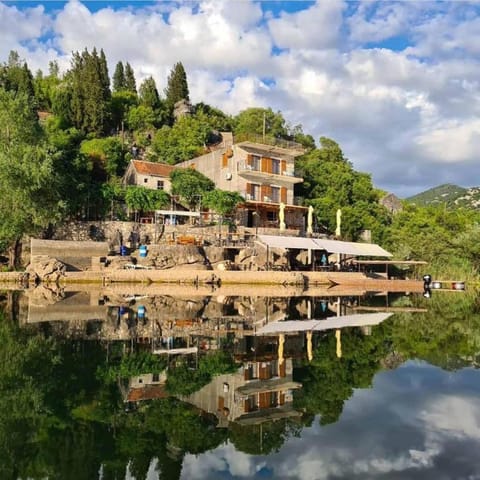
x=261 y=390
x=149 y=175
x=148 y=386
x=262 y=173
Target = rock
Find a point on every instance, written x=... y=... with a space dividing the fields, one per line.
x=45 y=269
x=119 y=262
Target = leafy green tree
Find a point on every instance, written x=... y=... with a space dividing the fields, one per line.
x=331 y=183
x=140 y=199
x=214 y=117
x=15 y=76
x=120 y=105
x=107 y=156
x=29 y=183
x=260 y=120
x=141 y=118
x=190 y=185
x=186 y=139
x=221 y=201
x=177 y=86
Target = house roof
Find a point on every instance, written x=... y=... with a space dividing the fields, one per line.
x=151 y=168
x=149 y=392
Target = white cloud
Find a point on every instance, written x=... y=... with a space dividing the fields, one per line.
x=316 y=27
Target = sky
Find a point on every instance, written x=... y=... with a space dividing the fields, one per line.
x=396 y=84
x=417 y=422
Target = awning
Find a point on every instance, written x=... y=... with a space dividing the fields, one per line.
x=331 y=246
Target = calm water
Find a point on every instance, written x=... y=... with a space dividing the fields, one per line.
x=137 y=385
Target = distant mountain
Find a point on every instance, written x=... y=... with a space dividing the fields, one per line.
x=451 y=195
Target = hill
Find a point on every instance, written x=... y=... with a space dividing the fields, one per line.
x=451 y=195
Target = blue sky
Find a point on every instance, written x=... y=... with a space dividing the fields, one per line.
x=396 y=84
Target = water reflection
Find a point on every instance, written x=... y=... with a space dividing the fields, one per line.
x=142 y=385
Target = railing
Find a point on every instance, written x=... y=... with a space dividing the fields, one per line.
x=269 y=140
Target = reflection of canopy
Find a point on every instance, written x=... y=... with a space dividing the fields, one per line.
x=293 y=326
x=338 y=230
x=281 y=216
x=338 y=336
x=331 y=246
x=309 y=346
x=281 y=341
x=310 y=220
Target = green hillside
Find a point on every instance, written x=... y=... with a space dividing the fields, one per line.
x=451 y=195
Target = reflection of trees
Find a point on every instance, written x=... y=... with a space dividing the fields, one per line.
x=61 y=415
x=263 y=438
x=328 y=381
x=183 y=380
x=447 y=335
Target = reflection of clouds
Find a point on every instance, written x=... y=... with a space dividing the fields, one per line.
x=222 y=459
x=416 y=422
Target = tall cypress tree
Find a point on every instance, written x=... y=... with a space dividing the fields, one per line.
x=90 y=91
x=177 y=86
x=119 y=78
x=130 y=83
x=148 y=94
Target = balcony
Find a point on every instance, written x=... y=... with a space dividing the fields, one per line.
x=250 y=173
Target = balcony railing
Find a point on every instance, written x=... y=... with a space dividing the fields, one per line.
x=269 y=140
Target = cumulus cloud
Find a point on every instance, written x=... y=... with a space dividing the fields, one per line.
x=405 y=114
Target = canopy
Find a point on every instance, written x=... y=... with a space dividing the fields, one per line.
x=331 y=246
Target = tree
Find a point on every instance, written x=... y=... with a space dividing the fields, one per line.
x=190 y=185
x=330 y=183
x=143 y=199
x=221 y=201
x=148 y=94
x=106 y=155
x=118 y=78
x=259 y=121
x=130 y=83
x=29 y=184
x=177 y=86
x=186 y=139
x=90 y=93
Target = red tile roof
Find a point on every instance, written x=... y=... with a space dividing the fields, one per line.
x=150 y=168
x=149 y=392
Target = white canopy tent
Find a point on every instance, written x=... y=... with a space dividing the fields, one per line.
x=331 y=246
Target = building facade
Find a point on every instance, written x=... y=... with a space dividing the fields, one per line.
x=263 y=173
x=151 y=175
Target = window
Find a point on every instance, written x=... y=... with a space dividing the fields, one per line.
x=160 y=185
x=145 y=180
x=276 y=166
x=256 y=163
x=272 y=216
x=275 y=194
x=255 y=192
x=156 y=377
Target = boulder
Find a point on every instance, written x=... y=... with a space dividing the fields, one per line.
x=45 y=269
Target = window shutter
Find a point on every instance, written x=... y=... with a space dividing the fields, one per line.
x=283 y=194
x=225 y=160
x=249 y=159
x=264 y=164
x=284 y=166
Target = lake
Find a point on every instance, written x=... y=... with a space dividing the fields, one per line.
x=136 y=383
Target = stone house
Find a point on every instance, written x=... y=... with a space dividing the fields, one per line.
x=151 y=175
x=262 y=171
